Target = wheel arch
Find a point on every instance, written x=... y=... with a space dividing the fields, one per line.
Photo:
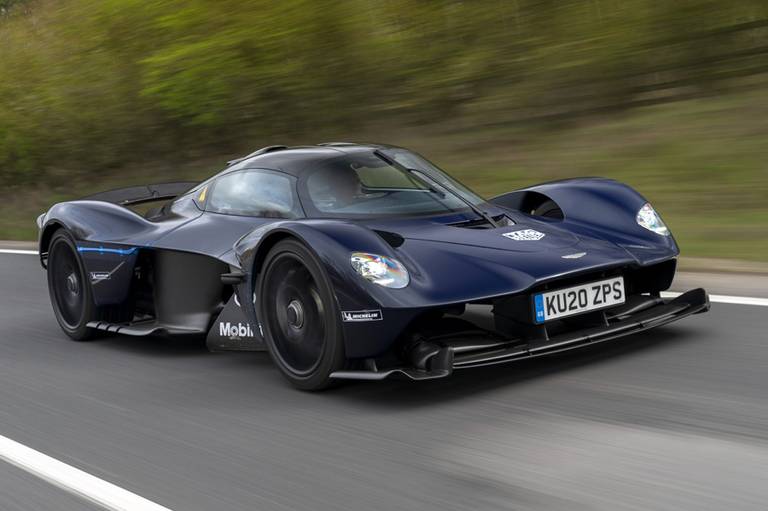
x=276 y=236
x=331 y=242
x=269 y=241
x=46 y=234
x=594 y=200
x=598 y=207
x=251 y=251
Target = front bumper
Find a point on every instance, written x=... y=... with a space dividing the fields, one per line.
x=481 y=348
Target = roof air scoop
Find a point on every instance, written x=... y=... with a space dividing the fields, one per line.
x=263 y=150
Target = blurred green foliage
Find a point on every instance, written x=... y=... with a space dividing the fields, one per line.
x=97 y=81
x=660 y=94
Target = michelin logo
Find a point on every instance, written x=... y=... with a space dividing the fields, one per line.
x=367 y=315
x=97 y=276
x=228 y=329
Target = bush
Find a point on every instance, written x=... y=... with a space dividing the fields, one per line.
x=91 y=84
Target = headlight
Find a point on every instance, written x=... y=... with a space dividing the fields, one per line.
x=648 y=218
x=380 y=270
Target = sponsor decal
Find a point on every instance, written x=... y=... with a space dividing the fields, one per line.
x=101 y=276
x=366 y=315
x=577 y=255
x=227 y=329
x=97 y=276
x=524 y=235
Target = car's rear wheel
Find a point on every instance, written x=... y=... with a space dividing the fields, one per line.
x=69 y=288
x=299 y=316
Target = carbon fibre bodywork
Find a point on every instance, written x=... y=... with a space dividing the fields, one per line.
x=162 y=272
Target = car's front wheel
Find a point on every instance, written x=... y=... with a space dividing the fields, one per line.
x=299 y=316
x=69 y=288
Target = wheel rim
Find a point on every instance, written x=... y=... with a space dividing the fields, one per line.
x=68 y=285
x=295 y=315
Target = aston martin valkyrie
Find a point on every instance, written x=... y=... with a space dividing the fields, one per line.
x=363 y=261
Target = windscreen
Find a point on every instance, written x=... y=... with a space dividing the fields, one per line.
x=392 y=183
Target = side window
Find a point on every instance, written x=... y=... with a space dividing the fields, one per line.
x=260 y=193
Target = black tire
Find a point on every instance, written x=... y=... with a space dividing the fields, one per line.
x=69 y=289
x=300 y=317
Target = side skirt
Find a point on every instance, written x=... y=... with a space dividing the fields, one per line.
x=142 y=328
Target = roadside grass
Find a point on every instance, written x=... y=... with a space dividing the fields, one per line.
x=702 y=163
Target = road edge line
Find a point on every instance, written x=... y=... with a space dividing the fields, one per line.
x=18 y=251
x=73 y=480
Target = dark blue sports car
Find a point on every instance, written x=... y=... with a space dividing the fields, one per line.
x=362 y=261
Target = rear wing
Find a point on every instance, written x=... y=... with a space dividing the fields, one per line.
x=141 y=194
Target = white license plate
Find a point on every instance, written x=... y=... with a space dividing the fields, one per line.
x=578 y=299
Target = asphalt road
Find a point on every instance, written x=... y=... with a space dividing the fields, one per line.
x=675 y=418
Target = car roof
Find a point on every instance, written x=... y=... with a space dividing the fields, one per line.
x=298 y=159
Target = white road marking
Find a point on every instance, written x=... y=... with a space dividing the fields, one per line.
x=15 y=251
x=737 y=300
x=73 y=480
